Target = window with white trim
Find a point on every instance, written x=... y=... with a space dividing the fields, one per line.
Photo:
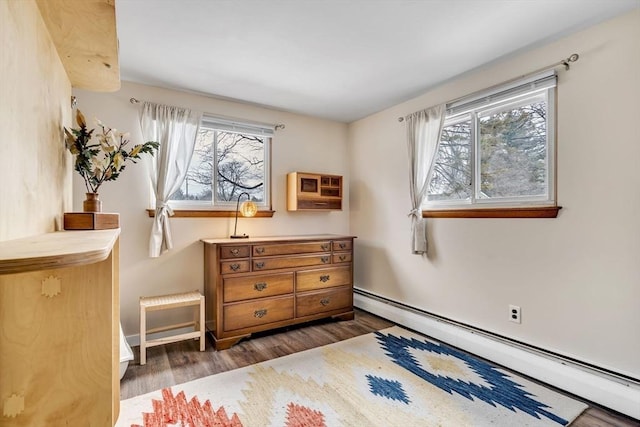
x=229 y=158
x=497 y=148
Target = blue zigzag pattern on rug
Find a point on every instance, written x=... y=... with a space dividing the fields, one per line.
x=387 y=388
x=504 y=392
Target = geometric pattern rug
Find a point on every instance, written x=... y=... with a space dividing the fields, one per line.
x=393 y=377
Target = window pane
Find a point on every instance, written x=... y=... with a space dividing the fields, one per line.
x=240 y=166
x=513 y=151
x=197 y=184
x=451 y=178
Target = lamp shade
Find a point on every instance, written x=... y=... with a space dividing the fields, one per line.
x=248 y=209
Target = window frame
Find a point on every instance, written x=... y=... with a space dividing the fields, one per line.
x=203 y=209
x=544 y=206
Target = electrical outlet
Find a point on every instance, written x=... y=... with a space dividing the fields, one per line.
x=515 y=315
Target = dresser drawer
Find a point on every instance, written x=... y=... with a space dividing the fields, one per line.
x=240 y=266
x=268 y=285
x=260 y=312
x=291 y=248
x=341 y=257
x=235 y=251
x=319 y=204
x=318 y=302
x=263 y=264
x=342 y=245
x=323 y=278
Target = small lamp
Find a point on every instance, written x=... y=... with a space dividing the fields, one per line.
x=248 y=209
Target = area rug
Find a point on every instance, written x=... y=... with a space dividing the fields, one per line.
x=388 y=378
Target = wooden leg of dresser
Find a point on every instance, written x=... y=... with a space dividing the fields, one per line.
x=345 y=316
x=225 y=343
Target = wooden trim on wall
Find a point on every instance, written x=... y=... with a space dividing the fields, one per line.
x=529 y=212
x=186 y=213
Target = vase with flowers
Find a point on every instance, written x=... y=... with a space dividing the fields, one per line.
x=101 y=156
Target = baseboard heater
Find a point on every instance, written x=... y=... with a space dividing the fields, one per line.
x=609 y=389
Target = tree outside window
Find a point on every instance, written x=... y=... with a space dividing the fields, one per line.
x=496 y=153
x=236 y=160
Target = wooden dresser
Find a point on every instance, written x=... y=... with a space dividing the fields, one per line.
x=263 y=283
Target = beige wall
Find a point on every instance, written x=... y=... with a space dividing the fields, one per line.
x=306 y=144
x=577 y=277
x=35 y=96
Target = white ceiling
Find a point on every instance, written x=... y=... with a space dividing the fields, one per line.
x=336 y=59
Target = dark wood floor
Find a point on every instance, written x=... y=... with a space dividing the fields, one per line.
x=180 y=362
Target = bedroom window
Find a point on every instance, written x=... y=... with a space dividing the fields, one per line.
x=229 y=158
x=497 y=149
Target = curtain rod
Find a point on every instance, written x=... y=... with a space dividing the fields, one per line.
x=573 y=58
x=279 y=126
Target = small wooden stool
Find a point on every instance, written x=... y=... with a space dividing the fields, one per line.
x=163 y=302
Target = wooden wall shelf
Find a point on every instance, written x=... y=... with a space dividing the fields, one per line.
x=84 y=33
x=313 y=192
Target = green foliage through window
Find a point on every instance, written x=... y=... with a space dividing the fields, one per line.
x=497 y=153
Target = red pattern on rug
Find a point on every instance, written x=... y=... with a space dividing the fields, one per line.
x=301 y=416
x=176 y=410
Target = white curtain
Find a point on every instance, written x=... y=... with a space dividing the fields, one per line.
x=175 y=129
x=424 y=129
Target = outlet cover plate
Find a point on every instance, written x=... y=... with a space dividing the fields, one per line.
x=515 y=314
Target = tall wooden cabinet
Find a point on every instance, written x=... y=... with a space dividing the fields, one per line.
x=59 y=330
x=258 y=284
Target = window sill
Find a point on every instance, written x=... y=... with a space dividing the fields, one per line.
x=530 y=212
x=186 y=213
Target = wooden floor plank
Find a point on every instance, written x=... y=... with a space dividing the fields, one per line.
x=180 y=362
x=598 y=417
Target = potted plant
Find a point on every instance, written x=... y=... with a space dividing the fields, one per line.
x=101 y=156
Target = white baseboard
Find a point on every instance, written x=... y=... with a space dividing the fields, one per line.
x=608 y=392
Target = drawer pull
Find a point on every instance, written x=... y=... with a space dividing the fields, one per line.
x=234 y=251
x=259 y=264
x=324 y=278
x=325 y=301
x=234 y=267
x=324 y=247
x=342 y=245
x=342 y=257
x=324 y=259
x=259 y=250
x=260 y=313
x=260 y=286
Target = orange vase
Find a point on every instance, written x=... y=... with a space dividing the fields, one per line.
x=92 y=203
